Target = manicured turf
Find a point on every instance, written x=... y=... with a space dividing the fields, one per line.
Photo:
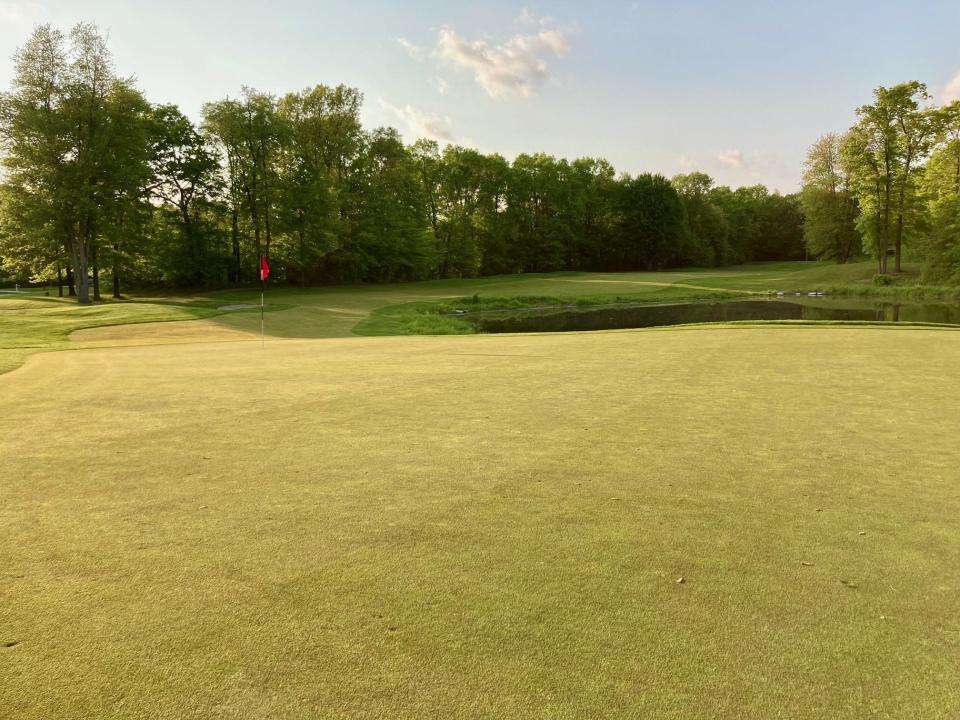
x=483 y=526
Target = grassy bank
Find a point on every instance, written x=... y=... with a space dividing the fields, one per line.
x=36 y=323
x=459 y=315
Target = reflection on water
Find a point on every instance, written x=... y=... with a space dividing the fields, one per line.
x=612 y=317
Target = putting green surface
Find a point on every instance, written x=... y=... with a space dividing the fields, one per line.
x=485 y=526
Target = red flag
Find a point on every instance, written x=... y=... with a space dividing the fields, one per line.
x=264 y=268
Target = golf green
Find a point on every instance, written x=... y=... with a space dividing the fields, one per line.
x=723 y=523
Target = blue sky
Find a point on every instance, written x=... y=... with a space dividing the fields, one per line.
x=737 y=89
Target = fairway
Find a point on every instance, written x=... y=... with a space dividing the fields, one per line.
x=485 y=526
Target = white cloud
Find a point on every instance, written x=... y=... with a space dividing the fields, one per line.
x=22 y=15
x=415 y=51
x=440 y=84
x=421 y=124
x=530 y=18
x=514 y=68
x=951 y=91
x=733 y=158
x=753 y=167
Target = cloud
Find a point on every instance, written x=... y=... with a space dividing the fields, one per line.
x=421 y=124
x=440 y=84
x=415 y=51
x=516 y=67
x=22 y=15
x=733 y=158
x=754 y=166
x=951 y=90
x=529 y=18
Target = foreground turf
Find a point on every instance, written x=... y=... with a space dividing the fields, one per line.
x=485 y=527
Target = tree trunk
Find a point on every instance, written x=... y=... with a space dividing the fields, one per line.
x=898 y=248
x=235 y=240
x=885 y=235
x=187 y=226
x=71 y=286
x=95 y=264
x=116 y=271
x=79 y=252
x=303 y=262
x=267 y=234
x=59 y=281
x=255 y=218
x=303 y=249
x=898 y=240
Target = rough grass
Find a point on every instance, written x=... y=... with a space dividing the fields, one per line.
x=485 y=526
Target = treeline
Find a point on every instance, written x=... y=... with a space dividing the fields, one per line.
x=99 y=179
x=889 y=184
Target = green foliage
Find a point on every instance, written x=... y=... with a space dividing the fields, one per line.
x=98 y=179
x=941 y=187
x=882 y=156
x=709 y=226
x=418 y=318
x=186 y=176
x=76 y=158
x=829 y=205
x=652 y=232
x=882 y=279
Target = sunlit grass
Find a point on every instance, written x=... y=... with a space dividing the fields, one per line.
x=485 y=526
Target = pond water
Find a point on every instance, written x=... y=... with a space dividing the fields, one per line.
x=610 y=317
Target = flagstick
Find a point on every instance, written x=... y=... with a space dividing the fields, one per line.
x=262 y=288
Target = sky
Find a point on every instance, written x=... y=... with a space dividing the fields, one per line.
x=736 y=89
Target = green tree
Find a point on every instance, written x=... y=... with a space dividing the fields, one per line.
x=323 y=136
x=388 y=240
x=829 y=205
x=708 y=224
x=653 y=232
x=37 y=222
x=250 y=135
x=883 y=154
x=539 y=234
x=76 y=148
x=185 y=175
x=590 y=212
x=942 y=194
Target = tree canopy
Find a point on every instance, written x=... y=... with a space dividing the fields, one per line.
x=97 y=179
x=888 y=185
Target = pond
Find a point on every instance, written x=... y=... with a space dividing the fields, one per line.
x=611 y=317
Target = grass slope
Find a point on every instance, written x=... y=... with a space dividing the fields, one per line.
x=35 y=323
x=485 y=526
